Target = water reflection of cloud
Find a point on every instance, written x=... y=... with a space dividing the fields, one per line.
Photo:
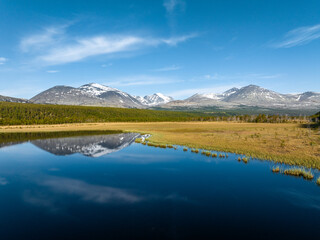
x=53 y=169
x=303 y=199
x=3 y=181
x=90 y=192
x=143 y=158
x=39 y=199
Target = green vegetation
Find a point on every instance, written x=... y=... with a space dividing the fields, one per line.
x=30 y=114
x=231 y=137
x=185 y=149
x=298 y=172
x=244 y=110
x=214 y=155
x=150 y=144
x=275 y=169
x=195 y=150
x=245 y=160
x=316 y=120
x=138 y=140
x=318 y=181
x=208 y=153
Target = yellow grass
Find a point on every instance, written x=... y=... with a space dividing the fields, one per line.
x=284 y=143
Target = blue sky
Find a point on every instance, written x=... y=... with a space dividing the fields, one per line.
x=177 y=47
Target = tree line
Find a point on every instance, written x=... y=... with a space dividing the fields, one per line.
x=30 y=114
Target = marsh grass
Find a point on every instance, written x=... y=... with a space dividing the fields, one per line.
x=215 y=136
x=214 y=155
x=275 y=170
x=150 y=144
x=245 y=160
x=195 y=150
x=318 y=181
x=138 y=140
x=185 y=149
x=239 y=159
x=299 y=172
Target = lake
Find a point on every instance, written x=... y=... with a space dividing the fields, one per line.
x=106 y=186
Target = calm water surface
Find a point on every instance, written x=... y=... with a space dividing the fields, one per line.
x=107 y=187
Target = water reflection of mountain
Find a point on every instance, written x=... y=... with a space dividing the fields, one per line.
x=91 y=146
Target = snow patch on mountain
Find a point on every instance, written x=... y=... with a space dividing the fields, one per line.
x=154 y=99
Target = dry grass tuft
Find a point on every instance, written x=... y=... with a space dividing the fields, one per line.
x=298 y=172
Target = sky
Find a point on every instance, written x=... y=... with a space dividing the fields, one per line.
x=176 y=47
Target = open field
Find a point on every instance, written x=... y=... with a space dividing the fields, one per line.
x=284 y=143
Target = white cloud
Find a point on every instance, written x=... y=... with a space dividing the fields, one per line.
x=88 y=47
x=53 y=71
x=54 y=46
x=175 y=40
x=167 y=69
x=106 y=65
x=3 y=60
x=191 y=91
x=299 y=36
x=49 y=36
x=249 y=76
x=172 y=5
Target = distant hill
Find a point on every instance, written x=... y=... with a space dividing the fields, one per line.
x=11 y=99
x=234 y=99
x=94 y=94
x=249 y=96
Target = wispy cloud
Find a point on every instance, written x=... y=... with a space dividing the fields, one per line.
x=106 y=65
x=48 y=36
x=211 y=89
x=173 y=41
x=173 y=5
x=246 y=76
x=53 y=71
x=299 y=36
x=89 y=47
x=3 y=60
x=140 y=80
x=54 y=46
x=167 y=69
x=173 y=8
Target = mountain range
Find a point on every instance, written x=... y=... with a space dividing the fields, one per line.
x=12 y=99
x=94 y=94
x=250 y=95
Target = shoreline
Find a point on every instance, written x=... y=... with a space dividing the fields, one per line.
x=287 y=143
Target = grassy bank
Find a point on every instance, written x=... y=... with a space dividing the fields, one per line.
x=284 y=143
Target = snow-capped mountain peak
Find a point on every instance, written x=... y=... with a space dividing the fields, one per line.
x=97 y=89
x=156 y=99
